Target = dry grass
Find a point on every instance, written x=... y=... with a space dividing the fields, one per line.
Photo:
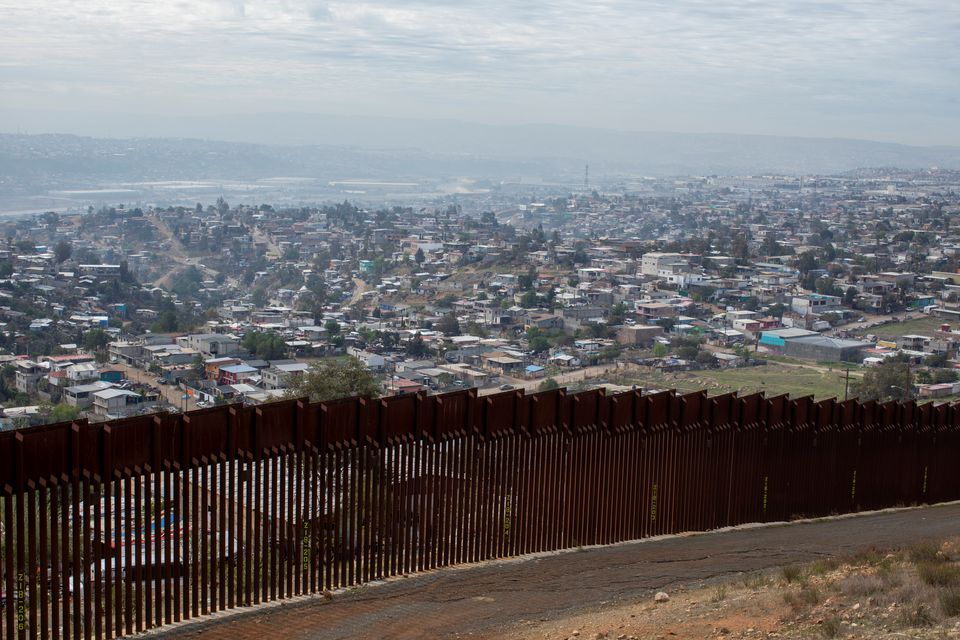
x=803 y=599
x=877 y=594
x=950 y=602
x=756 y=581
x=823 y=567
x=868 y=557
x=939 y=574
x=918 y=615
x=831 y=628
x=859 y=585
x=924 y=552
x=792 y=573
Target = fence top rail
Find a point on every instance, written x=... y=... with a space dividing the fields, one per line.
x=142 y=443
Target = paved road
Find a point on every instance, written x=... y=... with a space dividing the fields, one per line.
x=486 y=600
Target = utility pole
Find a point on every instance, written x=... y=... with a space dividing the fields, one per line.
x=846 y=384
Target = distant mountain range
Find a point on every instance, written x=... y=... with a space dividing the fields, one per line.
x=337 y=147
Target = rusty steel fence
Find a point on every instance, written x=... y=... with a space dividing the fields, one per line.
x=113 y=528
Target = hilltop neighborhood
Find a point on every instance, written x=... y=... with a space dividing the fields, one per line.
x=122 y=310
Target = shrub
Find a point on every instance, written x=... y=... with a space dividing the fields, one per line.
x=950 y=602
x=756 y=581
x=791 y=573
x=868 y=557
x=810 y=596
x=823 y=567
x=830 y=628
x=920 y=616
x=938 y=574
x=861 y=585
x=800 y=600
x=924 y=552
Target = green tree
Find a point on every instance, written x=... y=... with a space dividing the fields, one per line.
x=475 y=329
x=667 y=323
x=769 y=246
x=488 y=218
x=333 y=379
x=941 y=376
x=188 y=283
x=828 y=287
x=95 y=339
x=332 y=327
x=688 y=353
x=740 y=248
x=539 y=344
x=617 y=313
x=660 y=350
x=259 y=297
x=889 y=381
x=166 y=323
x=706 y=358
x=222 y=206
x=62 y=251
x=807 y=261
x=444 y=380
x=777 y=310
x=529 y=299
x=449 y=325
x=525 y=281
x=849 y=296
x=266 y=345
x=419 y=256
x=59 y=412
x=935 y=360
x=415 y=346
x=548 y=385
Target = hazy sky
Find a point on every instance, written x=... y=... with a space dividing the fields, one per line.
x=872 y=69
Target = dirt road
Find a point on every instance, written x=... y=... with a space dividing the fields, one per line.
x=360 y=288
x=171 y=393
x=491 y=600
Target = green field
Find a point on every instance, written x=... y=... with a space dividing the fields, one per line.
x=923 y=325
x=773 y=379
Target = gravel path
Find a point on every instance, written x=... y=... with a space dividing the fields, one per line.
x=485 y=600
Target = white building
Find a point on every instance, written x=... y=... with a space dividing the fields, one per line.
x=814 y=303
x=118 y=403
x=211 y=344
x=280 y=376
x=26 y=375
x=372 y=361
x=81 y=395
x=652 y=263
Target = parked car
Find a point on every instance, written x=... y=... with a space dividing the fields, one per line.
x=506 y=387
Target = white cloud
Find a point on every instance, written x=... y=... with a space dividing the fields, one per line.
x=799 y=66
